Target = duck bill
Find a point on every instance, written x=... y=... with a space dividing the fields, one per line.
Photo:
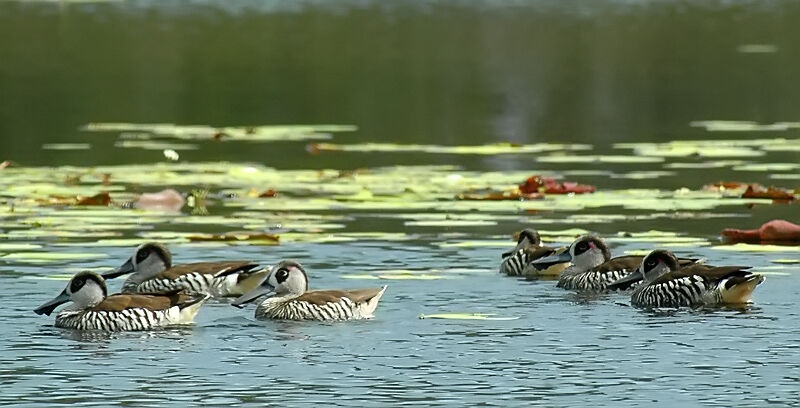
x=124 y=269
x=626 y=282
x=48 y=307
x=553 y=259
x=254 y=294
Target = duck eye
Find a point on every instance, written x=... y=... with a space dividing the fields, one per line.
x=582 y=247
x=281 y=275
x=650 y=263
x=142 y=255
x=77 y=284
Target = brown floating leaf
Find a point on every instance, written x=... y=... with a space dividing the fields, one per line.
x=725 y=185
x=500 y=196
x=781 y=231
x=268 y=194
x=775 y=193
x=8 y=163
x=313 y=148
x=547 y=185
x=103 y=199
x=235 y=236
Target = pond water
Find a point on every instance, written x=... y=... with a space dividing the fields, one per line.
x=372 y=121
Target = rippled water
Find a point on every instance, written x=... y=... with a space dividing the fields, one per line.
x=563 y=349
x=437 y=72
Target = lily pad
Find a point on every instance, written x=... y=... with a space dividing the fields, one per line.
x=67 y=146
x=598 y=159
x=742 y=247
x=51 y=257
x=466 y=316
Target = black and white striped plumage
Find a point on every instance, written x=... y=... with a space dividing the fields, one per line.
x=517 y=262
x=152 y=272
x=93 y=310
x=293 y=301
x=590 y=264
x=599 y=277
x=592 y=267
x=667 y=284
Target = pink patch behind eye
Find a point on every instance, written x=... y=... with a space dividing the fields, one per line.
x=591 y=245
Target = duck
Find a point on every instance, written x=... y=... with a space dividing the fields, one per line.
x=153 y=272
x=94 y=309
x=591 y=266
x=290 y=299
x=667 y=283
x=518 y=261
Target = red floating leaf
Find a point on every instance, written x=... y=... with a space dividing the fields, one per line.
x=103 y=199
x=269 y=193
x=775 y=193
x=781 y=231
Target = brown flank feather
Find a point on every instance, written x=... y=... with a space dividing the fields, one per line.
x=120 y=302
x=713 y=273
x=206 y=268
x=321 y=297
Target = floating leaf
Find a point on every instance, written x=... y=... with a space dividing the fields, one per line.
x=785 y=261
x=51 y=257
x=466 y=316
x=246 y=133
x=66 y=146
x=740 y=126
x=757 y=48
x=401 y=276
x=490 y=149
x=235 y=236
x=598 y=159
x=154 y=145
x=774 y=193
x=58 y=277
x=548 y=185
x=742 y=247
x=771 y=231
x=450 y=223
x=6 y=247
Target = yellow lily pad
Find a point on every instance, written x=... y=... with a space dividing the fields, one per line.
x=52 y=256
x=67 y=146
x=785 y=261
x=466 y=316
x=756 y=248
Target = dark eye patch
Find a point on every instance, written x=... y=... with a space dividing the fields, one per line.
x=581 y=247
x=281 y=275
x=77 y=284
x=142 y=255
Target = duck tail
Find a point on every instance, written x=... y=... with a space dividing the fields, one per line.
x=738 y=289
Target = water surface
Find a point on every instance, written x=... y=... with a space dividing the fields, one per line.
x=446 y=73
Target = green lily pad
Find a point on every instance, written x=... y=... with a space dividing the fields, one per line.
x=48 y=257
x=6 y=247
x=785 y=261
x=598 y=159
x=67 y=146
